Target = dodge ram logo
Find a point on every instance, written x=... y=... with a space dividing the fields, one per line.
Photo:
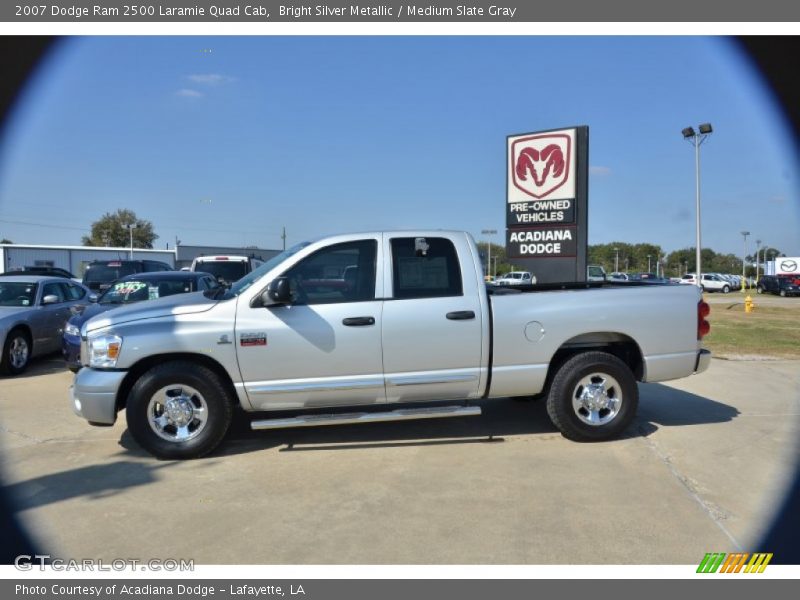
x=540 y=163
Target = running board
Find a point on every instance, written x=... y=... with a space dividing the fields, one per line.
x=403 y=414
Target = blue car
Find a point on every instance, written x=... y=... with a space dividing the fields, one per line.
x=131 y=288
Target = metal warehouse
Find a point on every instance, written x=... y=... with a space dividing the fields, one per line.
x=74 y=259
x=14 y=257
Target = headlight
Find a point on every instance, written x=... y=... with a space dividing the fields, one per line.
x=71 y=329
x=104 y=351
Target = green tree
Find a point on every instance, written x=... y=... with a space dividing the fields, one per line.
x=112 y=230
x=684 y=261
x=500 y=262
x=625 y=257
x=6 y=241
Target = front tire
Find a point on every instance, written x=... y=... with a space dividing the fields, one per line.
x=759 y=290
x=16 y=352
x=783 y=293
x=725 y=289
x=179 y=410
x=593 y=397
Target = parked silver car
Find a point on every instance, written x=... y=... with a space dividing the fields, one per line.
x=33 y=311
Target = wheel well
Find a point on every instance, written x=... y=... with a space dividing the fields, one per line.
x=617 y=344
x=145 y=364
x=26 y=330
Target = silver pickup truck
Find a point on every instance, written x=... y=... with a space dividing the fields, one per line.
x=378 y=327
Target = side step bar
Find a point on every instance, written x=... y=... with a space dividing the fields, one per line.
x=403 y=414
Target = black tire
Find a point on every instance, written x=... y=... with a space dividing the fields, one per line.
x=725 y=289
x=190 y=387
x=759 y=290
x=783 y=293
x=567 y=384
x=16 y=352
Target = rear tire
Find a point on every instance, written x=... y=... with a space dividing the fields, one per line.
x=179 y=410
x=593 y=397
x=759 y=290
x=16 y=352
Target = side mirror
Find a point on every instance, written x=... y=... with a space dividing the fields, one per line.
x=92 y=298
x=49 y=299
x=277 y=292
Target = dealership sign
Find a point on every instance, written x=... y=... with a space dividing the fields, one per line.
x=546 y=200
x=787 y=265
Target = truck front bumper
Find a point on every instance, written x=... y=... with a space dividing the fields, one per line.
x=93 y=395
x=703 y=360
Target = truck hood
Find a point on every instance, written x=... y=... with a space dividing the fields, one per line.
x=179 y=304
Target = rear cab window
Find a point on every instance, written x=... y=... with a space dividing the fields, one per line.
x=425 y=268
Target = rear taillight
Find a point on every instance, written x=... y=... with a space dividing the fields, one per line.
x=703 y=326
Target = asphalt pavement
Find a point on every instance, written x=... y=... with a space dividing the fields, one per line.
x=700 y=470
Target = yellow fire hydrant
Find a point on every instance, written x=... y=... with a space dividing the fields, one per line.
x=748 y=304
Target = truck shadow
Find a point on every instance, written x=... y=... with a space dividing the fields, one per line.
x=660 y=406
x=93 y=482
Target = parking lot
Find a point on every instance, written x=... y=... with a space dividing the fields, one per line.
x=700 y=470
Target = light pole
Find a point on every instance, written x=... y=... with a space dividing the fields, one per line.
x=648 y=262
x=489 y=246
x=758 y=252
x=130 y=230
x=744 y=255
x=616 y=260
x=696 y=139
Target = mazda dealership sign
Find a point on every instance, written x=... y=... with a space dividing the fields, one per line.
x=787 y=265
x=546 y=203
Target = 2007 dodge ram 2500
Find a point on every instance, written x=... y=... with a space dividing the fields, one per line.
x=386 y=322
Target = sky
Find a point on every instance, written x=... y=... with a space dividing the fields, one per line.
x=226 y=140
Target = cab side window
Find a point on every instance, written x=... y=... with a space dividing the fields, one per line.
x=339 y=273
x=72 y=292
x=425 y=268
x=53 y=289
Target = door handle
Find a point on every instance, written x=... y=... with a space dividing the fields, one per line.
x=461 y=315
x=358 y=321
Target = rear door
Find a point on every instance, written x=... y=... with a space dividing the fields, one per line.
x=432 y=320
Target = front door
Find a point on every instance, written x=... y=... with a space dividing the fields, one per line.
x=323 y=349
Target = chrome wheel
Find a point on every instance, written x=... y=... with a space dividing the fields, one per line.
x=597 y=399
x=18 y=352
x=177 y=413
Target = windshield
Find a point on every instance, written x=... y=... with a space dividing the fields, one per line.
x=225 y=271
x=126 y=292
x=17 y=293
x=246 y=281
x=100 y=273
